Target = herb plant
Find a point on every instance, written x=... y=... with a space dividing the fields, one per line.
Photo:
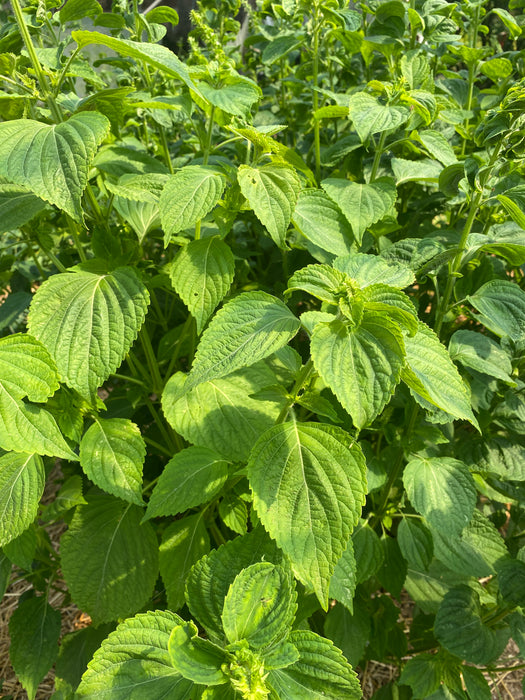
x=264 y=307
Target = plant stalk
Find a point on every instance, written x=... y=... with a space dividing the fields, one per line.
x=304 y=376
x=315 y=94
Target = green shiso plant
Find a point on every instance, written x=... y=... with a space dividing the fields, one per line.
x=262 y=334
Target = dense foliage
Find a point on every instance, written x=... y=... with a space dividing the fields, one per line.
x=263 y=306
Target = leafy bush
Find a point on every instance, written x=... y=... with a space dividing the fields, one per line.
x=274 y=339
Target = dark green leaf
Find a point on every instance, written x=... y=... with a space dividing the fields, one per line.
x=34 y=628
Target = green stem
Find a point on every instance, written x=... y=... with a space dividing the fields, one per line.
x=39 y=267
x=303 y=377
x=76 y=239
x=64 y=70
x=5 y=79
x=505 y=669
x=137 y=369
x=151 y=483
x=455 y=266
x=55 y=260
x=151 y=360
x=41 y=78
x=184 y=332
x=171 y=444
x=472 y=70
x=377 y=157
x=125 y=378
x=158 y=447
x=156 y=305
x=396 y=469
x=205 y=157
x=165 y=148
x=217 y=534
x=209 y=135
x=315 y=94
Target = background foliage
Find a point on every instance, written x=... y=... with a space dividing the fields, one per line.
x=263 y=300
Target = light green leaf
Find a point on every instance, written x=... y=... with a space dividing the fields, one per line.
x=188 y=197
x=247 y=329
x=427 y=588
x=363 y=205
x=506 y=240
x=25 y=426
x=344 y=580
x=497 y=69
x=415 y=542
x=503 y=457
x=233 y=512
x=112 y=453
x=211 y=577
x=321 y=673
x=154 y=55
x=309 y=483
x=260 y=606
x=118 y=161
x=475 y=552
x=27 y=368
x=509 y=21
x=280 y=656
x=143 y=217
x=443 y=490
x=139 y=188
x=52 y=161
x=481 y=353
x=201 y=274
x=513 y=202
x=68 y=496
x=438 y=146
x=109 y=560
x=394 y=303
x=221 y=414
x=460 y=630
x=183 y=543
x=272 y=192
x=74 y=10
x=34 y=629
x=321 y=221
x=415 y=170
x=134 y=662
x=322 y=281
x=361 y=365
x=367 y=270
x=502 y=308
x=280 y=46
x=197 y=659
x=22 y=479
x=88 y=322
x=17 y=206
x=432 y=375
x=371 y=117
x=235 y=96
x=193 y=476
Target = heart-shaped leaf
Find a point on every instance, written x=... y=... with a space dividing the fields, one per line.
x=52 y=161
